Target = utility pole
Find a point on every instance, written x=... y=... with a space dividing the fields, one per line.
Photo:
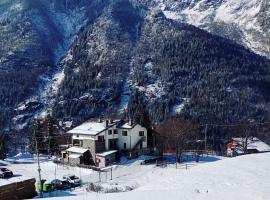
x=39 y=170
x=205 y=138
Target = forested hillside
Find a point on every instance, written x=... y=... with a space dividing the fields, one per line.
x=34 y=35
x=133 y=58
x=166 y=65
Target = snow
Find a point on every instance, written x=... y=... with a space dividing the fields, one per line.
x=177 y=108
x=14 y=179
x=57 y=80
x=244 y=177
x=68 y=24
x=68 y=124
x=106 y=153
x=253 y=143
x=89 y=128
x=77 y=150
x=241 y=15
x=125 y=96
x=172 y=15
x=125 y=125
x=126 y=91
x=16 y=7
x=152 y=91
x=20 y=156
x=86 y=137
x=241 y=12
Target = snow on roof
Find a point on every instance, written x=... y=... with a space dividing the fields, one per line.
x=91 y=128
x=106 y=153
x=125 y=125
x=77 y=150
x=85 y=137
x=74 y=155
x=254 y=143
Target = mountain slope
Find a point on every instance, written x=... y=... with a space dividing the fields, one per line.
x=243 y=21
x=34 y=35
x=98 y=63
x=168 y=67
x=95 y=58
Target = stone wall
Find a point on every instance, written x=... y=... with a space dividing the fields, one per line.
x=90 y=145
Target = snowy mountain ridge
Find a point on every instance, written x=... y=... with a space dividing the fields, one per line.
x=236 y=20
x=80 y=59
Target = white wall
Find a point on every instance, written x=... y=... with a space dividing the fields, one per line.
x=132 y=137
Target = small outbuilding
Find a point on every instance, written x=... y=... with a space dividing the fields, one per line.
x=106 y=158
x=240 y=146
x=77 y=156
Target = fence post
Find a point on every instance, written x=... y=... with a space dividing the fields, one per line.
x=111 y=173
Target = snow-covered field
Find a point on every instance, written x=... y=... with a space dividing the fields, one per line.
x=245 y=177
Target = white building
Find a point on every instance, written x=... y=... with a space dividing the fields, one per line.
x=105 y=136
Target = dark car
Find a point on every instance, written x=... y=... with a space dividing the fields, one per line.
x=58 y=184
x=73 y=180
x=5 y=173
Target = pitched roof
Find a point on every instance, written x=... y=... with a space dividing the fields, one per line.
x=106 y=153
x=91 y=128
x=94 y=128
x=78 y=150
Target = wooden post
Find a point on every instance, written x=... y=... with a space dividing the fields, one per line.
x=111 y=173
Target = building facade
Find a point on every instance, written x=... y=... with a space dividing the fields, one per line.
x=99 y=137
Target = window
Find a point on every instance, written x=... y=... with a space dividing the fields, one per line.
x=101 y=139
x=125 y=145
x=77 y=143
x=115 y=131
x=124 y=133
x=141 y=133
x=78 y=135
x=109 y=132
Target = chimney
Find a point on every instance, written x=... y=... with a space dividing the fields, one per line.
x=99 y=120
x=130 y=122
x=110 y=120
x=106 y=123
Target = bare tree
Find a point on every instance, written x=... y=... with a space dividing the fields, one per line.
x=246 y=132
x=176 y=134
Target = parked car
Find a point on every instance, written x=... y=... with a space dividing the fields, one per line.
x=5 y=173
x=60 y=184
x=73 y=180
